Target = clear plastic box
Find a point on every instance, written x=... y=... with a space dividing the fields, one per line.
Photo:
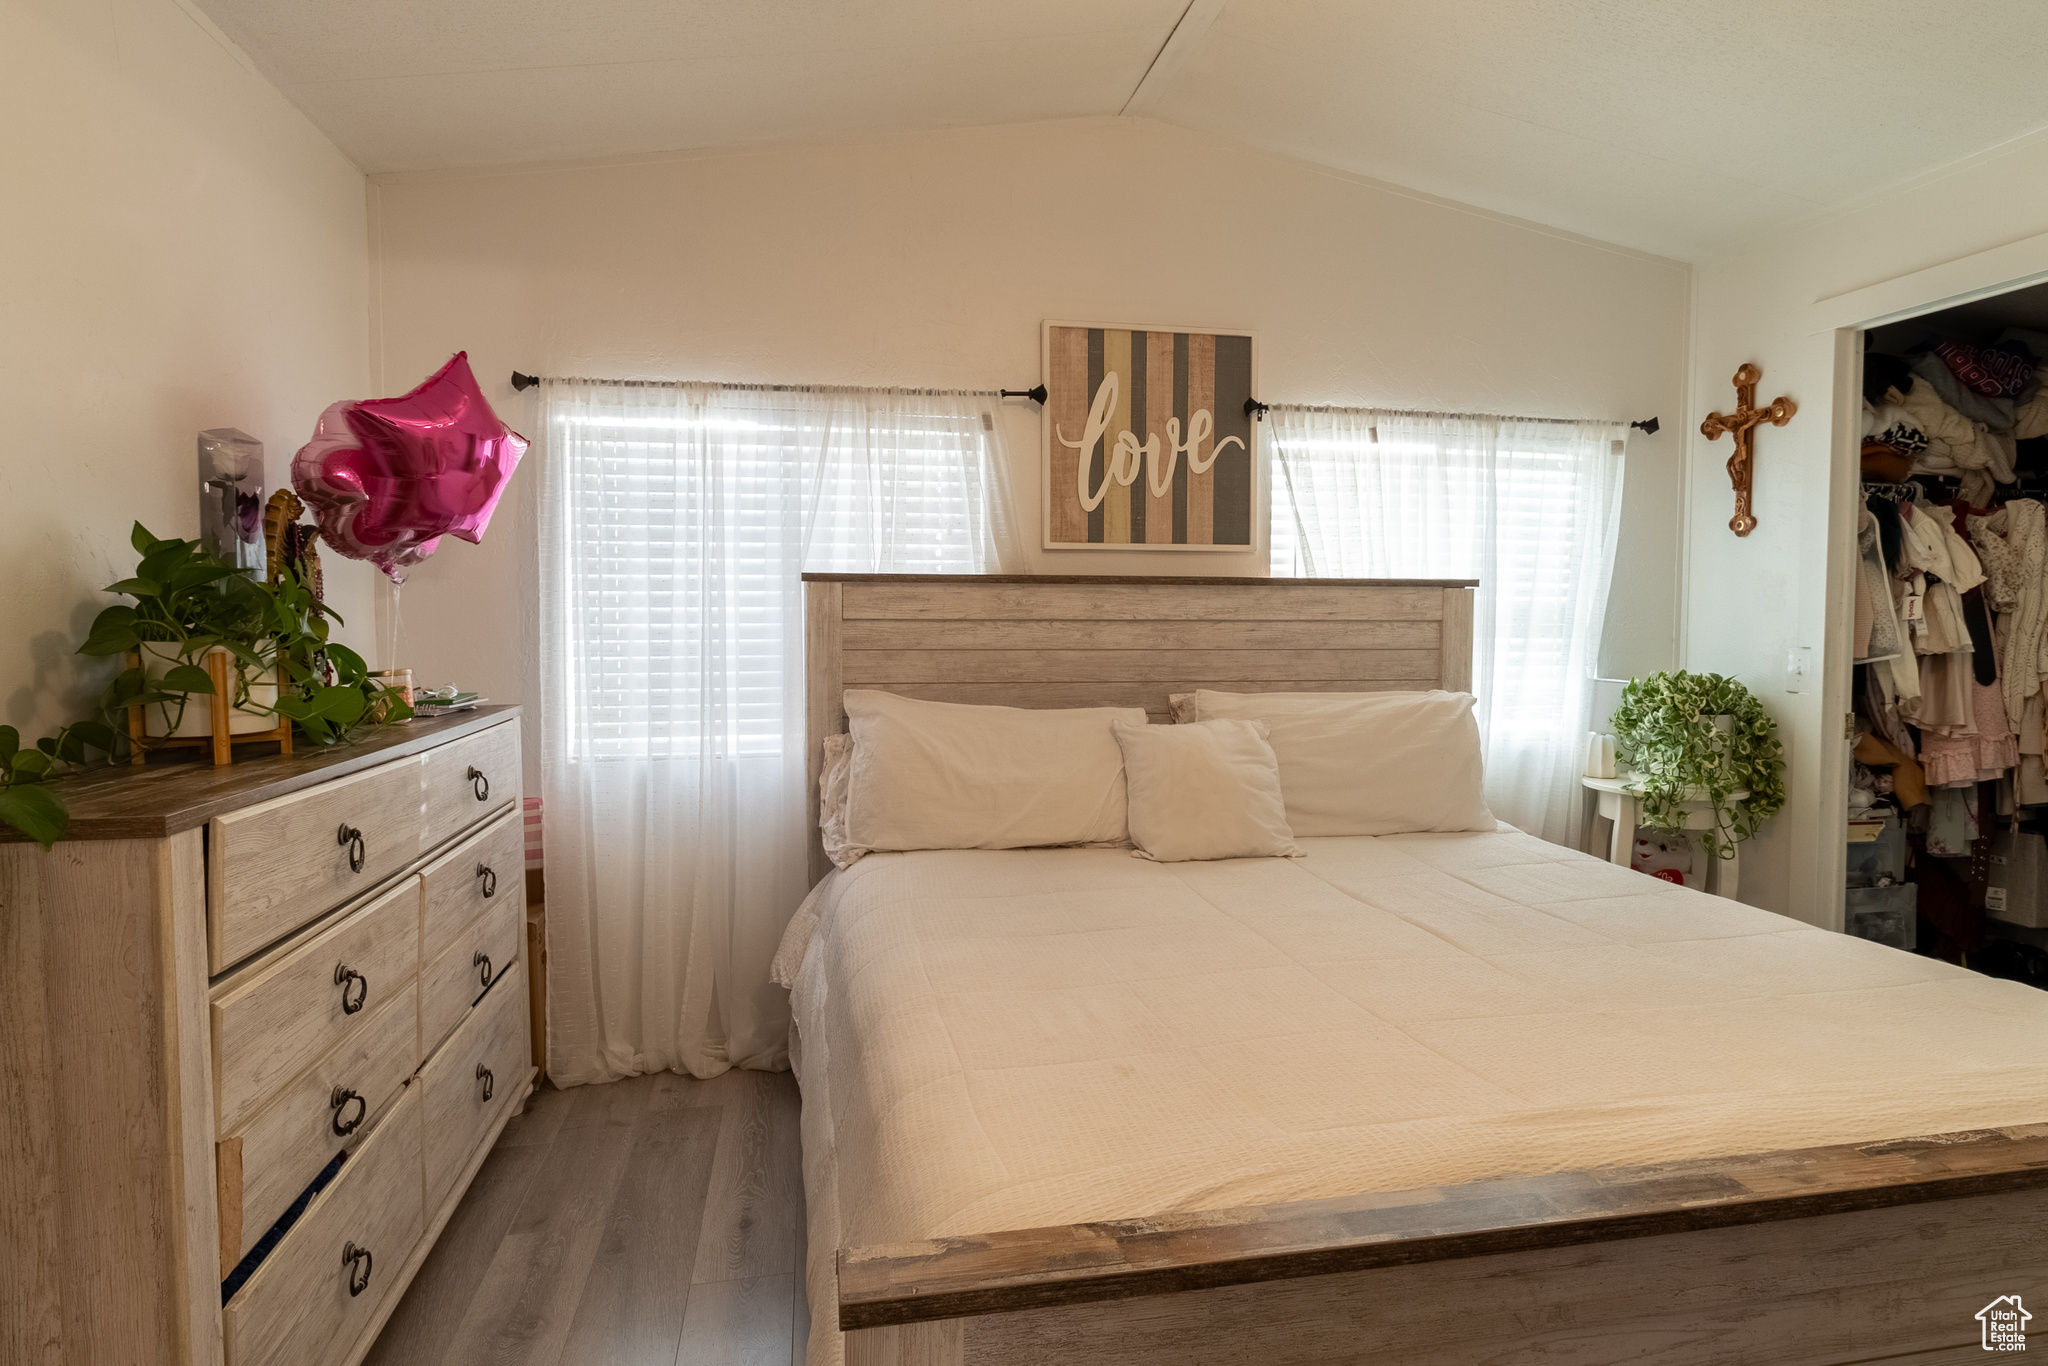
x=1889 y=915
x=1883 y=857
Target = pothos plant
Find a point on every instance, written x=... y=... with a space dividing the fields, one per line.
x=188 y=603
x=1665 y=730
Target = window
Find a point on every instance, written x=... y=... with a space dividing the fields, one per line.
x=675 y=522
x=1529 y=508
x=686 y=514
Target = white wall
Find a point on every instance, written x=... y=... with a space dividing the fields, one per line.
x=1779 y=303
x=179 y=250
x=931 y=260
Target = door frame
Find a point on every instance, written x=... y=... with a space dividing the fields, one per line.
x=1846 y=317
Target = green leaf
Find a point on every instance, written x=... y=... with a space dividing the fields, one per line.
x=97 y=734
x=208 y=570
x=111 y=640
x=159 y=562
x=343 y=706
x=35 y=811
x=186 y=678
x=69 y=745
x=136 y=588
x=10 y=742
x=113 y=631
x=126 y=686
x=348 y=665
x=141 y=539
x=34 y=762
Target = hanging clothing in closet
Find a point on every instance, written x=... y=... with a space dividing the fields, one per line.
x=1878 y=638
x=2012 y=543
x=1934 y=568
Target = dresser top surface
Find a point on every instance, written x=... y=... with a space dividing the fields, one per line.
x=165 y=798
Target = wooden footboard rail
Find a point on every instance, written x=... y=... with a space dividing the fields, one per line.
x=1832 y=1254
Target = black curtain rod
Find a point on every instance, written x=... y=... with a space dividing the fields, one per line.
x=521 y=381
x=1037 y=394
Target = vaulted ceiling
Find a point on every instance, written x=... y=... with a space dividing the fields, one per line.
x=1676 y=126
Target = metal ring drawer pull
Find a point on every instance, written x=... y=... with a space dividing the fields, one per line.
x=346 y=977
x=483 y=1074
x=482 y=960
x=340 y=1102
x=479 y=784
x=489 y=876
x=353 y=838
x=359 y=1262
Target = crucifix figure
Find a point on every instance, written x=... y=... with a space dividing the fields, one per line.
x=1741 y=424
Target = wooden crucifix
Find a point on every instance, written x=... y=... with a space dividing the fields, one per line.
x=1741 y=424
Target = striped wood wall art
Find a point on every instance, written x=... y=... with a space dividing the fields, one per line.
x=1057 y=641
x=1177 y=395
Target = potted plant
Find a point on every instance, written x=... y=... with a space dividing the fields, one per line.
x=1700 y=737
x=189 y=604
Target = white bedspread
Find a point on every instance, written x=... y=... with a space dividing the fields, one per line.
x=995 y=1040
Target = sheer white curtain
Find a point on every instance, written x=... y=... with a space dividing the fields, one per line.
x=675 y=522
x=1529 y=508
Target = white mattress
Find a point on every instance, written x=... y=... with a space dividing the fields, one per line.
x=995 y=1040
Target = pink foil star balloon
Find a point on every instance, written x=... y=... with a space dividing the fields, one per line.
x=388 y=477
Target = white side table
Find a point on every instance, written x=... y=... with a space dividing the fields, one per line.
x=1614 y=799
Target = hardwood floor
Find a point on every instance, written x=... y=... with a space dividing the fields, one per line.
x=651 y=1222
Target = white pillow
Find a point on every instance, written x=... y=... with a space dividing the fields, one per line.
x=940 y=775
x=1206 y=790
x=832 y=783
x=1371 y=763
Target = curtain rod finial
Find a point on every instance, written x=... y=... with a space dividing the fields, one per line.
x=1648 y=426
x=1256 y=409
x=1035 y=394
x=523 y=382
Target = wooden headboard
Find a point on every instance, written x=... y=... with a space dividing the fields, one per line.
x=1020 y=640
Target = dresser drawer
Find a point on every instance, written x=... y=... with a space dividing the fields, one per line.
x=468 y=779
x=487 y=869
x=273 y=867
x=298 y=1309
x=268 y=1029
x=331 y=1106
x=485 y=950
x=471 y=1080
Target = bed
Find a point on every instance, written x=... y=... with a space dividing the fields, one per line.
x=1415 y=1098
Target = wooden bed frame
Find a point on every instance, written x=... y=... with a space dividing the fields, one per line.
x=1874 y=1252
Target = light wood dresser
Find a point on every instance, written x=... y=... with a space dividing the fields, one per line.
x=272 y=1016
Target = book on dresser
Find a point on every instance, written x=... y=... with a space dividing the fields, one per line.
x=259 y=1027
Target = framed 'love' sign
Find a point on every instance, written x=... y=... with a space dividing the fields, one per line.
x=1147 y=442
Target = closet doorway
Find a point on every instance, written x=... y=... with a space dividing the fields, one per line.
x=1945 y=605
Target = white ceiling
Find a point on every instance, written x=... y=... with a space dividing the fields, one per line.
x=1676 y=126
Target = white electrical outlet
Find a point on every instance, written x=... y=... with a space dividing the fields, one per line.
x=1798 y=668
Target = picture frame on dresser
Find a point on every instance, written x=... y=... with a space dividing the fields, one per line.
x=262 y=1024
